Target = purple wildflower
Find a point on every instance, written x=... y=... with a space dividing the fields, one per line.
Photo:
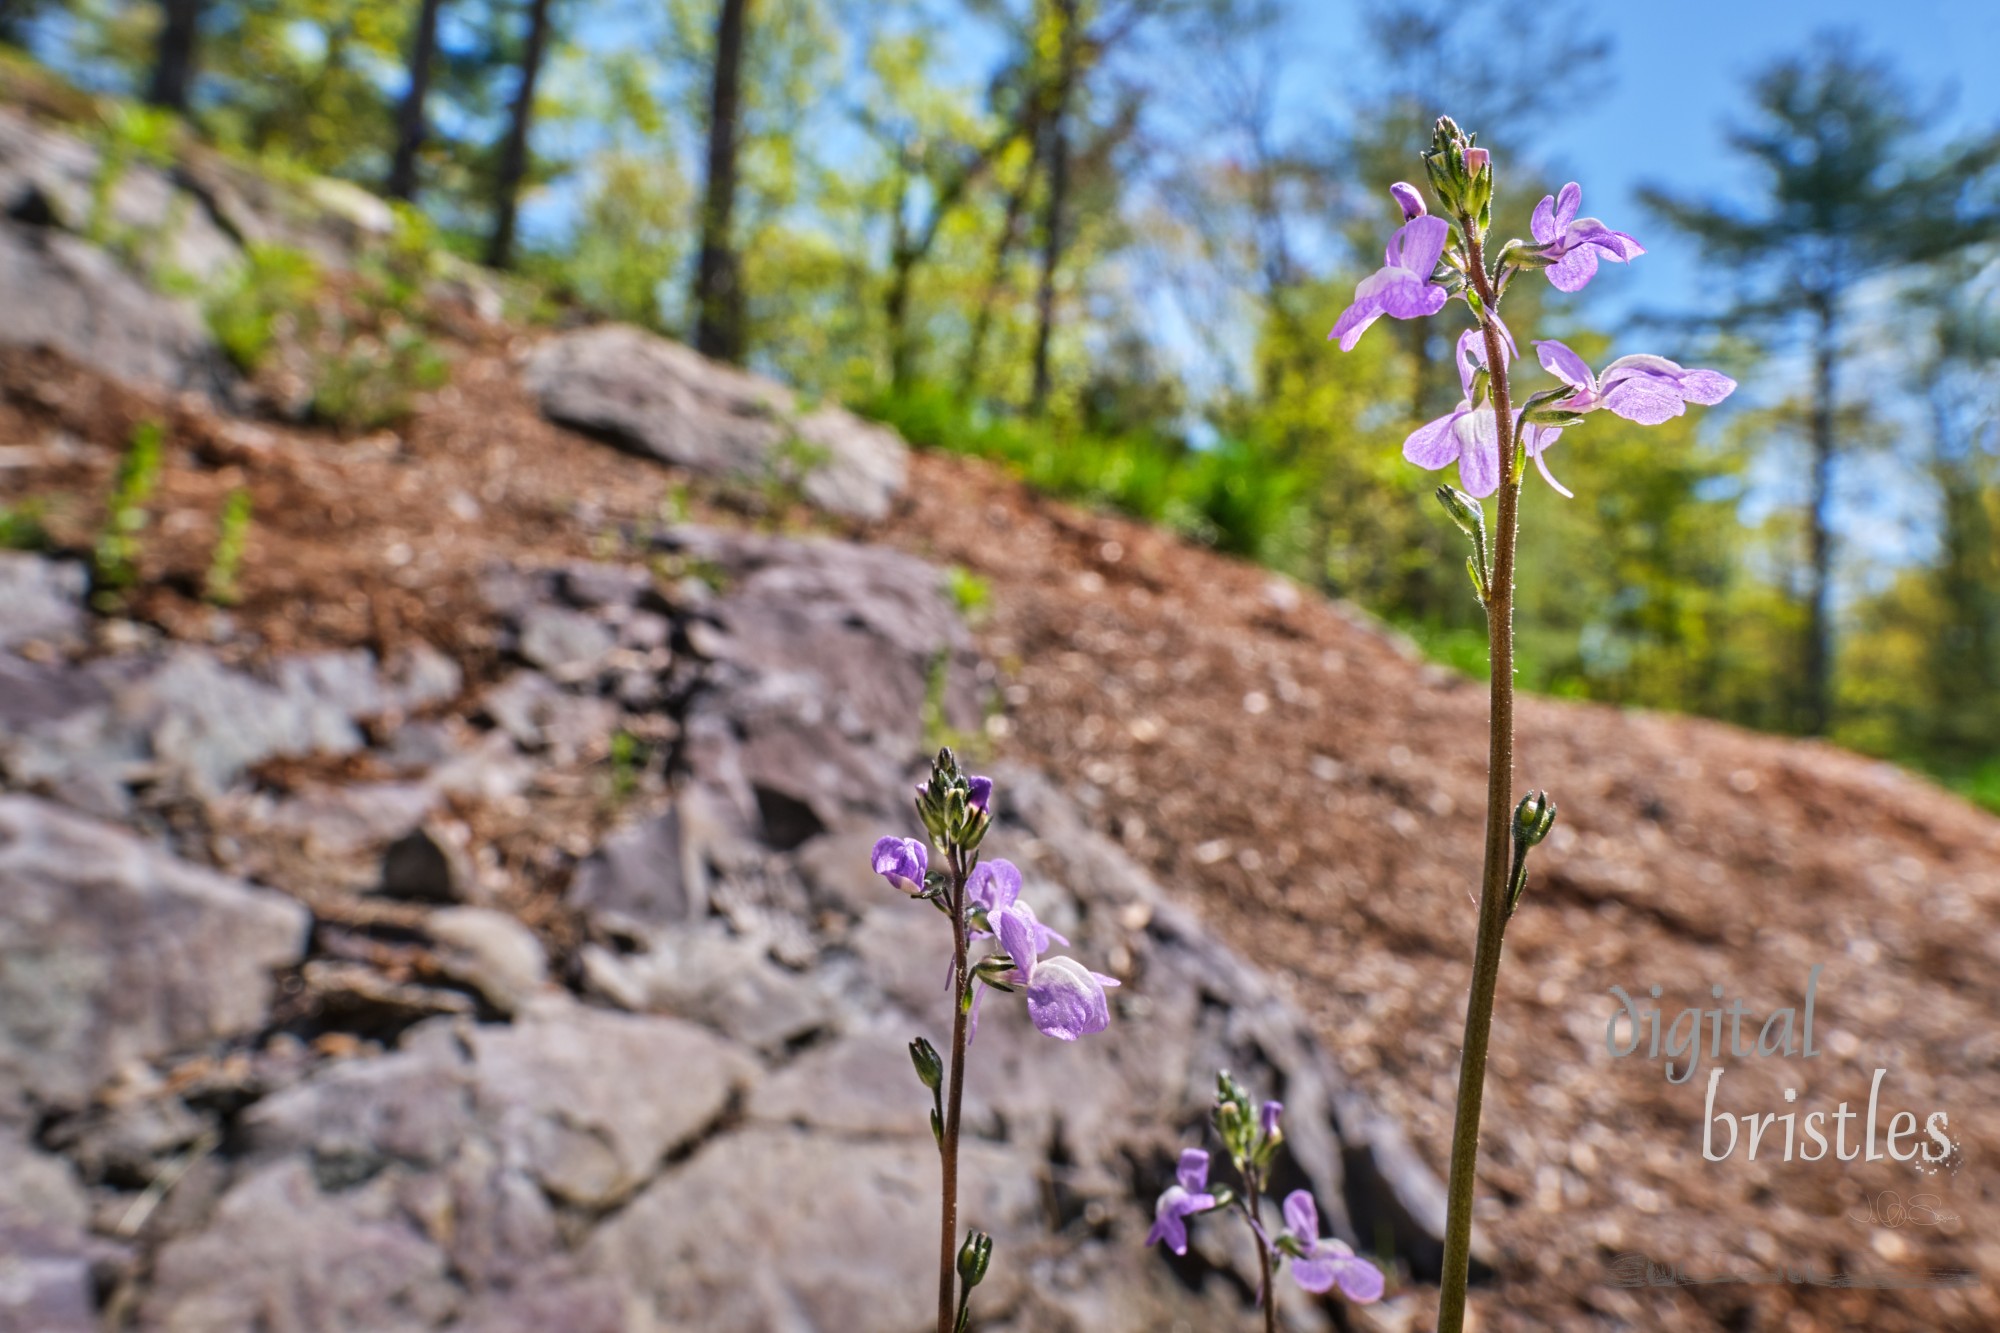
x=1408 y=197
x=1180 y=1201
x=1402 y=288
x=981 y=792
x=1469 y=434
x=1575 y=243
x=1644 y=389
x=903 y=862
x=1535 y=441
x=992 y=886
x=1324 y=1262
x=1065 y=999
x=1267 y=1119
x=1477 y=160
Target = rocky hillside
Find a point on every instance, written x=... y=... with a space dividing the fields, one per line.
x=468 y=926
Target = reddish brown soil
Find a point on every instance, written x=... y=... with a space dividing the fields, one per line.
x=1316 y=792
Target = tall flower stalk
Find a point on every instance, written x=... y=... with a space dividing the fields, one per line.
x=982 y=900
x=1432 y=259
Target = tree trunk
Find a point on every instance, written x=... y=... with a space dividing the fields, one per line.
x=410 y=116
x=174 y=60
x=718 y=288
x=996 y=277
x=514 y=156
x=1057 y=123
x=1816 y=710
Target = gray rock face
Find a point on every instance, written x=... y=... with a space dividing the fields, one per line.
x=54 y=177
x=186 y=718
x=44 y=599
x=492 y=952
x=657 y=397
x=715 y=1127
x=67 y=294
x=113 y=952
x=826 y=656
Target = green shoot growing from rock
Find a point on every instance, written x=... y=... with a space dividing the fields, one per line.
x=232 y=534
x=115 y=560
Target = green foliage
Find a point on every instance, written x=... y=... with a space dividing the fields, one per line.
x=232 y=535
x=21 y=527
x=371 y=381
x=1231 y=497
x=969 y=593
x=277 y=284
x=115 y=558
x=631 y=244
x=628 y=761
x=128 y=134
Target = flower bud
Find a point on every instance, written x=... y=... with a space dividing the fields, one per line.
x=1445 y=162
x=1465 y=511
x=1533 y=819
x=1477 y=160
x=1267 y=1121
x=973 y=1257
x=930 y=1067
x=1409 y=198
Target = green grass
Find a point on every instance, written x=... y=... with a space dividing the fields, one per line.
x=1228 y=496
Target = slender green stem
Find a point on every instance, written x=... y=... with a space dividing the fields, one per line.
x=954 y=1099
x=1499 y=814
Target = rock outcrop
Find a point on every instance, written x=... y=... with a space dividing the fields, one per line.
x=654 y=396
x=702 y=1115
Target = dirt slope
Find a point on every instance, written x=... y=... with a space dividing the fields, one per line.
x=1312 y=790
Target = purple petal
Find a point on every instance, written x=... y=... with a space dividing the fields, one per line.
x=1354 y=320
x=1565 y=365
x=1543 y=224
x=1616 y=245
x=972 y=1019
x=1302 y=1216
x=1193 y=1170
x=901 y=861
x=1573 y=272
x=1640 y=363
x=1478 y=435
x=1433 y=445
x=981 y=793
x=1168 y=1221
x=1645 y=399
x=1065 y=1001
x=1361 y=1281
x=1417 y=245
x=1537 y=439
x=1707 y=387
x=1015 y=925
x=1267 y=1118
x=993 y=885
x=1568 y=200
x=1316 y=1275
x=1406 y=297
x=1471 y=354
x=1408 y=199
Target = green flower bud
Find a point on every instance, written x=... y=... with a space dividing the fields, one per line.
x=930 y=1067
x=973 y=1257
x=1533 y=818
x=1465 y=511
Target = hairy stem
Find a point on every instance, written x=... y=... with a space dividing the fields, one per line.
x=954 y=1099
x=1267 y=1265
x=1499 y=815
